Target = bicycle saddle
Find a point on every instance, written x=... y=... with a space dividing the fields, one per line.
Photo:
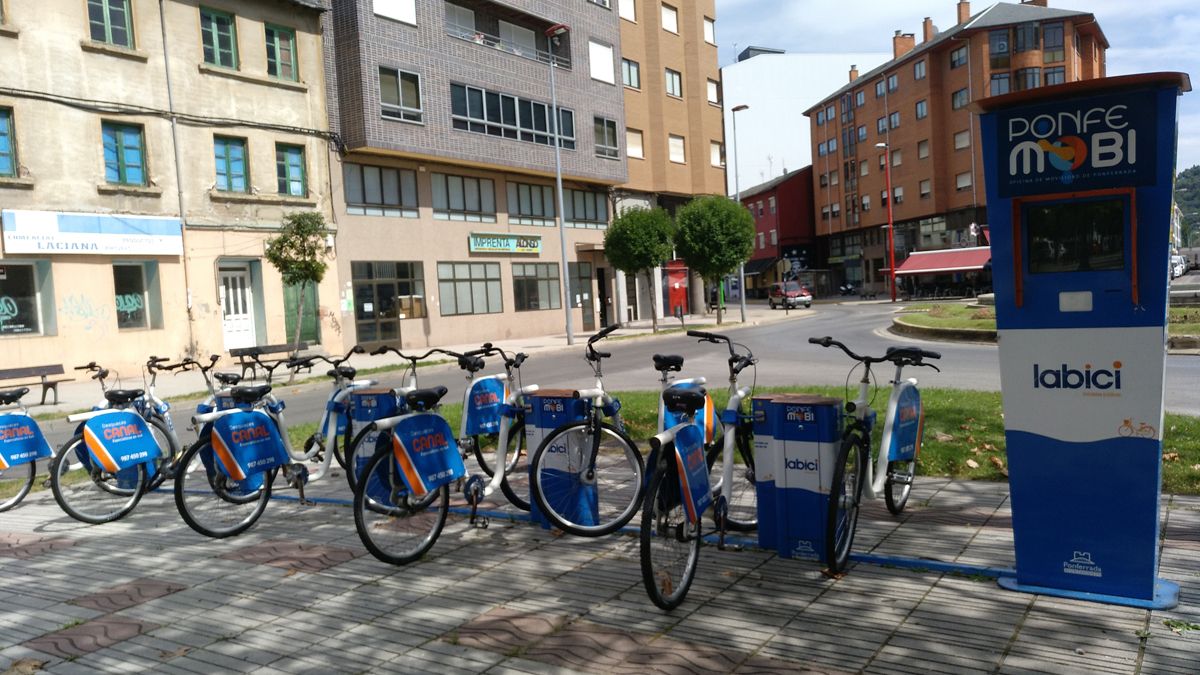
x=249 y=394
x=12 y=395
x=347 y=372
x=118 y=396
x=684 y=401
x=425 y=399
x=227 y=379
x=668 y=362
x=471 y=364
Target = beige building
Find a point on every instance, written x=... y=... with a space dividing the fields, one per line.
x=139 y=180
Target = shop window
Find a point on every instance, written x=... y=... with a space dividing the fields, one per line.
x=137 y=295
x=384 y=294
x=469 y=288
x=536 y=286
x=463 y=198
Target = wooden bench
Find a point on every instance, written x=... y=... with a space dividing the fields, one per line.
x=46 y=373
x=246 y=355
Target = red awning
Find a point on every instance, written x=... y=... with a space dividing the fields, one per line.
x=949 y=260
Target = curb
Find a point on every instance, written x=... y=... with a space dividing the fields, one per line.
x=947 y=334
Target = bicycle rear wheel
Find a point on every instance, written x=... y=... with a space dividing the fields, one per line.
x=484 y=446
x=581 y=497
x=88 y=493
x=899 y=484
x=214 y=504
x=515 y=485
x=15 y=483
x=169 y=447
x=395 y=526
x=742 y=497
x=670 y=545
x=845 y=495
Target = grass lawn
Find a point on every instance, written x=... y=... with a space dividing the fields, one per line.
x=1180 y=320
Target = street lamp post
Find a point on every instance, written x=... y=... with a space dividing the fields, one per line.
x=554 y=33
x=738 y=192
x=887 y=173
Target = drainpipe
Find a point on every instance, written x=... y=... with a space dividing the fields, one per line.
x=162 y=22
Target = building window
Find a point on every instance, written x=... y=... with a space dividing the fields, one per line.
x=860 y=98
x=675 y=149
x=460 y=21
x=627 y=9
x=998 y=48
x=960 y=99
x=23 y=304
x=607 y=4
x=600 y=61
x=1055 y=75
x=922 y=109
x=862 y=132
x=879 y=88
x=400 y=95
x=110 y=22
x=290 y=170
x=897 y=157
x=824 y=213
x=821 y=149
x=495 y=114
x=530 y=205
x=584 y=209
x=281 y=53
x=606 y=138
x=762 y=241
x=882 y=161
x=710 y=31
x=832 y=145
x=385 y=293
x=218 y=32
x=922 y=149
x=230 y=155
x=823 y=179
x=633 y=143
x=962 y=181
x=1052 y=43
x=919 y=70
x=864 y=168
x=999 y=84
x=883 y=197
x=829 y=112
x=894 y=120
x=670 y=18
x=463 y=198
x=400 y=10
x=771 y=206
x=866 y=203
x=836 y=210
x=137 y=296
x=469 y=288
x=380 y=191
x=124 y=154
x=1028 y=78
x=674 y=83
x=536 y=286
x=962 y=139
x=716 y=154
x=893 y=83
x=8 y=150
x=898 y=194
x=833 y=178
x=821 y=117
x=958 y=57
x=1026 y=35
x=926 y=189
x=630 y=74
x=714 y=92
x=881 y=125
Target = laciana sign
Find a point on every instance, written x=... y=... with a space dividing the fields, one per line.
x=491 y=242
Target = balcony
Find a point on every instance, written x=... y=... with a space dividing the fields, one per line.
x=506 y=30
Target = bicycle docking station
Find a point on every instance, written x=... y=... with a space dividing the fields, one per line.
x=796 y=438
x=1079 y=188
x=545 y=411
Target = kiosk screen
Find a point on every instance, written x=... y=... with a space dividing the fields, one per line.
x=1076 y=236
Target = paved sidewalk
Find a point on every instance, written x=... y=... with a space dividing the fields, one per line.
x=299 y=594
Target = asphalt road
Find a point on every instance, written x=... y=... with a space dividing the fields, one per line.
x=785 y=358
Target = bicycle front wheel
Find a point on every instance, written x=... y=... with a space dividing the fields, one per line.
x=742 y=496
x=515 y=485
x=845 y=495
x=484 y=446
x=394 y=525
x=168 y=445
x=214 y=504
x=670 y=545
x=899 y=484
x=15 y=483
x=88 y=493
x=586 y=493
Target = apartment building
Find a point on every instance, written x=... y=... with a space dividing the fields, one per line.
x=674 y=137
x=145 y=158
x=444 y=188
x=915 y=105
x=784 y=232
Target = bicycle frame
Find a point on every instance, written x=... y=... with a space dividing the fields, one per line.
x=514 y=403
x=876 y=475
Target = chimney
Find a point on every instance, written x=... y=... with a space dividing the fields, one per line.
x=1039 y=3
x=903 y=43
x=853 y=73
x=928 y=30
x=964 y=11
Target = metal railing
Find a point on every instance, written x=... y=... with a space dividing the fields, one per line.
x=507 y=46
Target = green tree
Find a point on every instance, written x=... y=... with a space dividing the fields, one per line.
x=1187 y=196
x=713 y=236
x=298 y=252
x=638 y=241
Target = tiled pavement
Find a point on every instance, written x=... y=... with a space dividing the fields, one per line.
x=298 y=593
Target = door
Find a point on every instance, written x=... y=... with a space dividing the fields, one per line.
x=237 y=307
x=310 y=331
x=603 y=296
x=631 y=296
x=581 y=290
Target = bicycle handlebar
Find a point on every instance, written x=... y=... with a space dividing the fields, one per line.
x=737 y=362
x=604 y=332
x=897 y=355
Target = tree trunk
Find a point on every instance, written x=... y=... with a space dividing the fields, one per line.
x=720 y=303
x=653 y=308
x=299 y=328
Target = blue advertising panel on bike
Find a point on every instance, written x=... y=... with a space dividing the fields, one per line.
x=905 y=424
x=483 y=406
x=426 y=453
x=693 y=472
x=247 y=443
x=21 y=441
x=120 y=440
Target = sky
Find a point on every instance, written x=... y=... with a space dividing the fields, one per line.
x=1143 y=35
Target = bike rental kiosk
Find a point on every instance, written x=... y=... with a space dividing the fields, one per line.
x=1079 y=185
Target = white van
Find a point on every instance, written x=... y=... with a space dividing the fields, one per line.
x=1178 y=266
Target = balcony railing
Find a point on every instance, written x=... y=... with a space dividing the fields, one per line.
x=507 y=46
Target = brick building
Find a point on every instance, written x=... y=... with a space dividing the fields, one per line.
x=784 y=231
x=916 y=104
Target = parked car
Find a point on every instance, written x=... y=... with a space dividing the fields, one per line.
x=1178 y=266
x=789 y=294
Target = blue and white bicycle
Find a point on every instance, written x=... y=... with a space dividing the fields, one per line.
x=21 y=446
